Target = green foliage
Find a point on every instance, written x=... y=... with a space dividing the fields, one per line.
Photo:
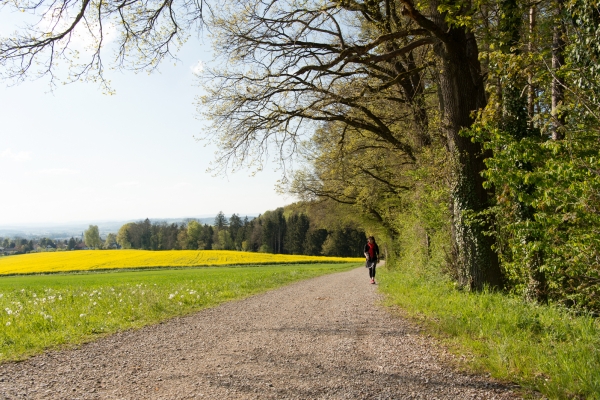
x=111 y=241
x=545 y=217
x=345 y=243
x=92 y=237
x=123 y=237
x=298 y=226
x=315 y=239
x=220 y=221
x=584 y=49
x=224 y=241
x=424 y=241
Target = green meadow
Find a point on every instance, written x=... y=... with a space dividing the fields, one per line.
x=40 y=312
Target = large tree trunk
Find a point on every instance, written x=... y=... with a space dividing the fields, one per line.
x=531 y=49
x=462 y=89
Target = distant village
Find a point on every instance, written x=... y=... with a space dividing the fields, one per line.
x=21 y=246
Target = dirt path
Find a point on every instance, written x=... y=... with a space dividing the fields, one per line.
x=318 y=339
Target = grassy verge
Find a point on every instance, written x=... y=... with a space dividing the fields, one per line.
x=543 y=348
x=39 y=312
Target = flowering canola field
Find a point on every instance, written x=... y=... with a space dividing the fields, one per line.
x=89 y=260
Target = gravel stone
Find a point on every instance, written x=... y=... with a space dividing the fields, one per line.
x=324 y=338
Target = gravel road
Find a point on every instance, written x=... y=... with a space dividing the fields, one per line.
x=324 y=338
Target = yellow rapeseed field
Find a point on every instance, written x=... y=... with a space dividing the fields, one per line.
x=88 y=260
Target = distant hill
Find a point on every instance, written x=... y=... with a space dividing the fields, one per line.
x=75 y=229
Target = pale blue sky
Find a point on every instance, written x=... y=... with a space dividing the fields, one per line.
x=79 y=155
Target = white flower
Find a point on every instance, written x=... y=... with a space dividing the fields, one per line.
x=81 y=315
x=34 y=295
x=8 y=311
x=1 y=295
x=110 y=312
x=8 y=323
x=94 y=304
x=171 y=296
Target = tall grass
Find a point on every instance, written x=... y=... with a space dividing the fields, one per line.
x=544 y=348
x=39 y=312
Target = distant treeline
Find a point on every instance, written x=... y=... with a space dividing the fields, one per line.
x=271 y=232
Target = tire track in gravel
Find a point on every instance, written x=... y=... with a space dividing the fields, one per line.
x=324 y=338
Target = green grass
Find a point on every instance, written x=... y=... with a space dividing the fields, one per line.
x=543 y=348
x=40 y=312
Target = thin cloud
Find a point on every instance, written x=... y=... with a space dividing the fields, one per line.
x=15 y=156
x=127 y=184
x=180 y=185
x=198 y=68
x=59 y=171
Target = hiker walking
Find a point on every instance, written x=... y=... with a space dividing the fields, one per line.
x=372 y=256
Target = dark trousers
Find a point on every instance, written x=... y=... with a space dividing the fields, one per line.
x=372 y=272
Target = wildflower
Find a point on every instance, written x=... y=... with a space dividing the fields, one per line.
x=110 y=312
x=94 y=304
x=81 y=315
x=171 y=296
x=34 y=295
x=8 y=323
x=8 y=311
x=1 y=295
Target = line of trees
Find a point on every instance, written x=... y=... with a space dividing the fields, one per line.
x=271 y=232
x=294 y=229
x=21 y=246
